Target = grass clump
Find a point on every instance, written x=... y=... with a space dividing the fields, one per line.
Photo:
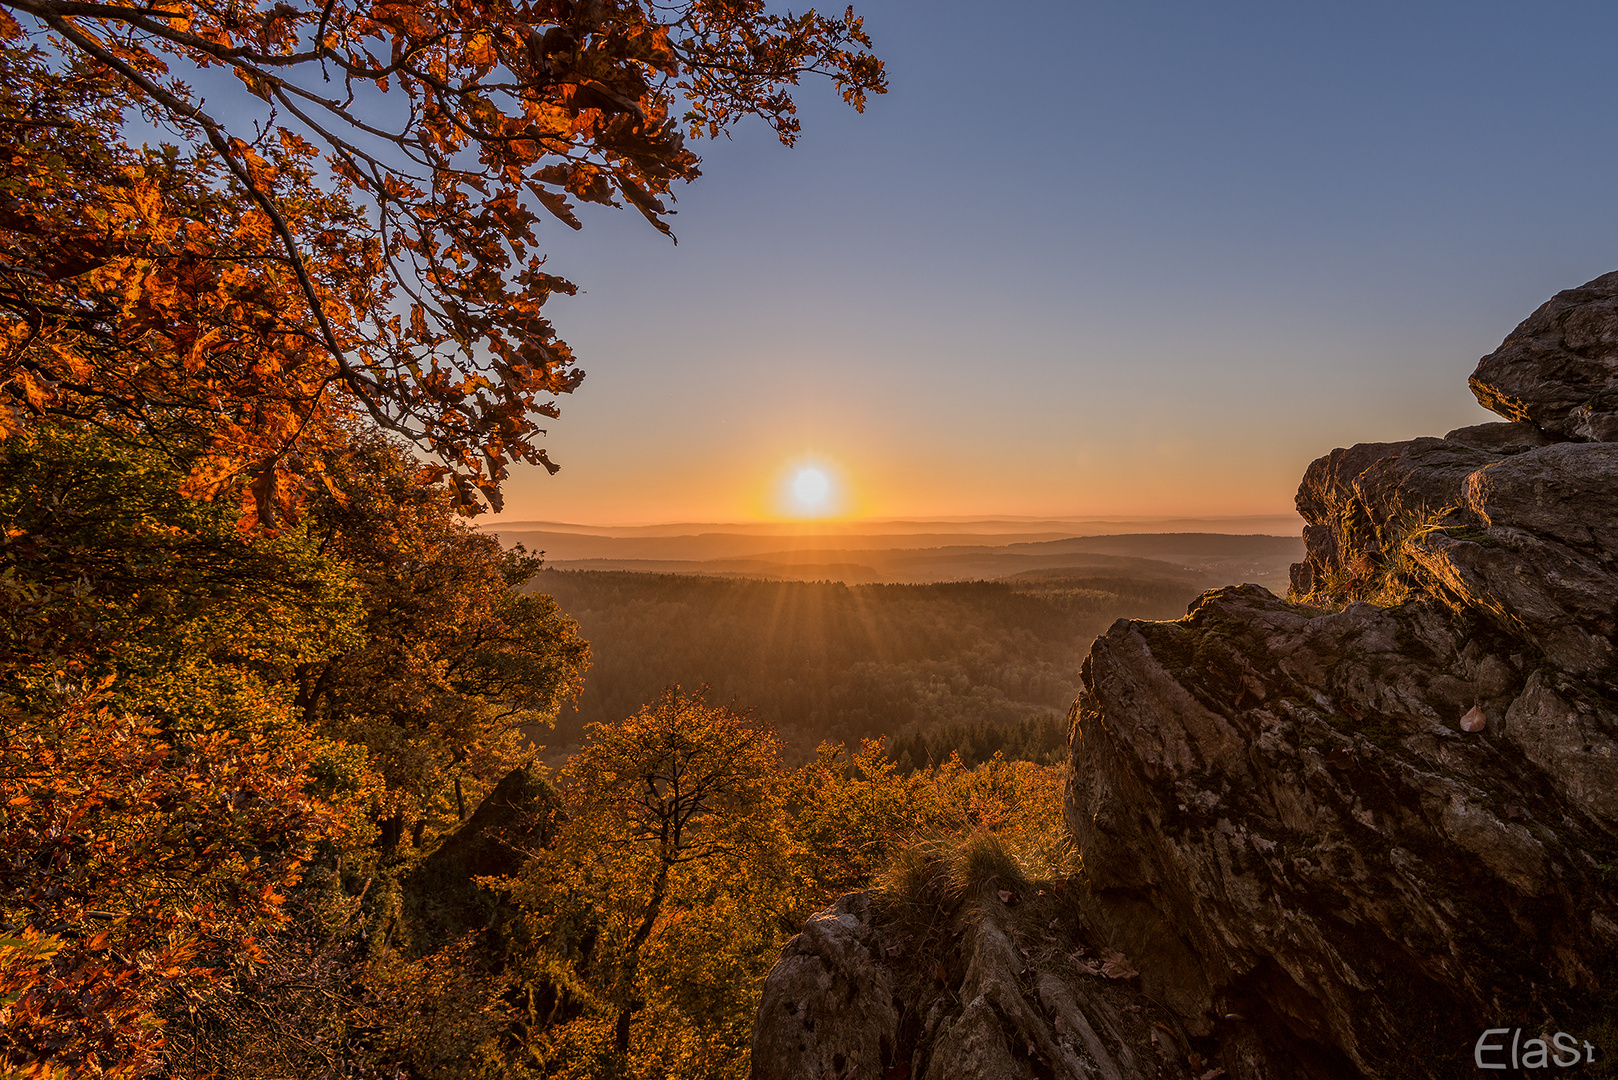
x=996 y=826
x=981 y=861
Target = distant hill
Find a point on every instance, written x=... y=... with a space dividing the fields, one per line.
x=1007 y=529
x=921 y=558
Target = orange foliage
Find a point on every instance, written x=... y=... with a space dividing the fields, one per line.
x=241 y=288
x=151 y=863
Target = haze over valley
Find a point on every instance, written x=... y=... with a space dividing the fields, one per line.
x=941 y=637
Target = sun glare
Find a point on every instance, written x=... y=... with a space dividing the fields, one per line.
x=810 y=489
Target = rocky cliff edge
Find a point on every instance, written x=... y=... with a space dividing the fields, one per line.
x=1341 y=834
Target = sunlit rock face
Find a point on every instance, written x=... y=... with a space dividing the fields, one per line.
x=1338 y=835
x=1559 y=369
x=1283 y=814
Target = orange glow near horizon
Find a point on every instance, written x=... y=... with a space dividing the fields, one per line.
x=766 y=472
x=813 y=488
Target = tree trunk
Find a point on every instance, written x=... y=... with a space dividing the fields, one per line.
x=626 y=1011
x=392 y=832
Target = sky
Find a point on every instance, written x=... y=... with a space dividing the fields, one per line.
x=1089 y=259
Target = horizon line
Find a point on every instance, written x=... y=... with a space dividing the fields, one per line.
x=921 y=525
x=809 y=524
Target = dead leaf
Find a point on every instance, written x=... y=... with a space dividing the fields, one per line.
x=1007 y=896
x=1474 y=720
x=1115 y=965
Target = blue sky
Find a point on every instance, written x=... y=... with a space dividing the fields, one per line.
x=1092 y=259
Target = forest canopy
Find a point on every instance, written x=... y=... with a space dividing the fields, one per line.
x=971 y=667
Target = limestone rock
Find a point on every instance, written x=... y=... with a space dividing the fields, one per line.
x=1559 y=369
x=1530 y=538
x=514 y=819
x=1501 y=438
x=1360 y=503
x=1375 y=814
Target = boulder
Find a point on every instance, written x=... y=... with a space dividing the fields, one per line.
x=443 y=893
x=828 y=1008
x=1559 y=369
x=1382 y=814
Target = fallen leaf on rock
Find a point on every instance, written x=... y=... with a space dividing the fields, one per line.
x=1474 y=721
x=1115 y=965
x=1007 y=896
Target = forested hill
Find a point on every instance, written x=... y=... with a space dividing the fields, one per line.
x=975 y=666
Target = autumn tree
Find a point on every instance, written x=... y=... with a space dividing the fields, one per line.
x=155 y=862
x=457 y=657
x=192 y=713
x=363 y=233
x=159 y=798
x=661 y=806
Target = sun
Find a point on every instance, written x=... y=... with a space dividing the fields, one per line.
x=810 y=488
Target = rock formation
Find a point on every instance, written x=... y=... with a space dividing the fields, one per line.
x=1340 y=834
